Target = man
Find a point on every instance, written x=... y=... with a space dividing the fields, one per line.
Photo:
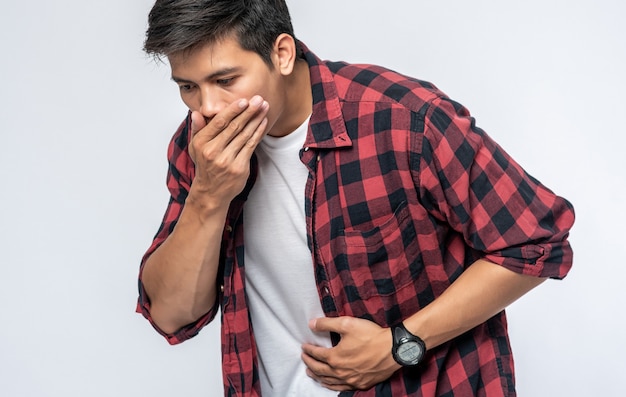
x=357 y=230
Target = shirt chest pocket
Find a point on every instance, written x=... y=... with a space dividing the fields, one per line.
x=381 y=261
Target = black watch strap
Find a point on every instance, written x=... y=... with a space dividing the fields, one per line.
x=400 y=331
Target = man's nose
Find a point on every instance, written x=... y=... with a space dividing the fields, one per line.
x=211 y=104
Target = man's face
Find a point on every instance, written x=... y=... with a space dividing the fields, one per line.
x=213 y=76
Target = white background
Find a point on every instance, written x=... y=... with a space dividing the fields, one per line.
x=85 y=118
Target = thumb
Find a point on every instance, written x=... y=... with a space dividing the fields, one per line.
x=198 y=122
x=327 y=324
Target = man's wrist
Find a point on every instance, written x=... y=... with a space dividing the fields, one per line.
x=204 y=205
x=408 y=349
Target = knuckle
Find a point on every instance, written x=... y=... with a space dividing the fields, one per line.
x=219 y=122
x=345 y=323
x=346 y=373
x=196 y=147
x=219 y=162
x=355 y=381
x=251 y=143
x=234 y=125
x=332 y=361
x=240 y=171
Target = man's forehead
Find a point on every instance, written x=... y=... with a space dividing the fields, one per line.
x=221 y=46
x=211 y=60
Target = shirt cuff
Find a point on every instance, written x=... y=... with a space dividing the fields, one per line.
x=183 y=334
x=552 y=260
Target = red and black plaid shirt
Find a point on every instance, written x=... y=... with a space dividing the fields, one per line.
x=404 y=193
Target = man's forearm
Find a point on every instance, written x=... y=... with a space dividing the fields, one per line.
x=180 y=276
x=482 y=291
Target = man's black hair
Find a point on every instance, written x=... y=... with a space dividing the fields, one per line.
x=184 y=25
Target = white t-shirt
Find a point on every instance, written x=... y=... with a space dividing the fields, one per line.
x=280 y=282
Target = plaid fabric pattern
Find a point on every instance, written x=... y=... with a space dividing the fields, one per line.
x=404 y=193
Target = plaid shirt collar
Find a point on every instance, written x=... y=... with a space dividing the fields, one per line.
x=327 y=128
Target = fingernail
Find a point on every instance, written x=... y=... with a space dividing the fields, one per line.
x=242 y=103
x=256 y=100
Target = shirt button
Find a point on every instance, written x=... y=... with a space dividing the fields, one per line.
x=325 y=291
x=318 y=157
x=306 y=149
x=229 y=228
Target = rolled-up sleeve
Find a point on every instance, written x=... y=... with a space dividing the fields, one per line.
x=470 y=182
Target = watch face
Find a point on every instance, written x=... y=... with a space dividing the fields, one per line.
x=410 y=352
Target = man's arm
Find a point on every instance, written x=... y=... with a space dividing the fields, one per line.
x=180 y=276
x=363 y=356
x=519 y=226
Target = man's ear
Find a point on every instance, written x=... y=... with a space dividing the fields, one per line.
x=284 y=54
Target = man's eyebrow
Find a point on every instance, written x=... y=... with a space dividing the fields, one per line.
x=214 y=75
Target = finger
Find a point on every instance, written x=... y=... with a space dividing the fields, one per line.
x=223 y=119
x=316 y=368
x=329 y=382
x=231 y=121
x=317 y=353
x=221 y=134
x=323 y=379
x=240 y=148
x=328 y=324
x=204 y=131
x=244 y=144
x=243 y=127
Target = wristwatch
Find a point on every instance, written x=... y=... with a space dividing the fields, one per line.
x=408 y=349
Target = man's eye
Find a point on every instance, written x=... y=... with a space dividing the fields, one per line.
x=185 y=87
x=227 y=81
